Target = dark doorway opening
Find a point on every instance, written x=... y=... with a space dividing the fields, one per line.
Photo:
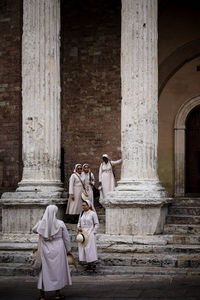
x=192 y=178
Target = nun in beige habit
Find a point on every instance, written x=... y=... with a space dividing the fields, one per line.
x=106 y=176
x=88 y=222
x=88 y=178
x=55 y=244
x=76 y=188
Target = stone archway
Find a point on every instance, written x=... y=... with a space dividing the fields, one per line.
x=179 y=144
x=176 y=60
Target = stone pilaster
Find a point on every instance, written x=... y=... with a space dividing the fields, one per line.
x=41 y=95
x=139 y=200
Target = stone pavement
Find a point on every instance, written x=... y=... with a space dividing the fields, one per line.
x=109 y=287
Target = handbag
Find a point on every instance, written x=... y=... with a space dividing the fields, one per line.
x=35 y=257
x=72 y=261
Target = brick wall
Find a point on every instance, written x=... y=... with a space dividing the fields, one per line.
x=10 y=93
x=90 y=76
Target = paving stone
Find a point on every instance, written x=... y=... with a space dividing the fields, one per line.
x=109 y=287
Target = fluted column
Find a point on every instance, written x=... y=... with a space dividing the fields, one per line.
x=137 y=202
x=41 y=95
x=139 y=74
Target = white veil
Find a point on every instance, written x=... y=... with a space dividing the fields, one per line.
x=49 y=224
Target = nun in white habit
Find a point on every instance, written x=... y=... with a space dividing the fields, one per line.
x=55 y=244
x=88 y=222
x=106 y=176
x=88 y=178
x=76 y=187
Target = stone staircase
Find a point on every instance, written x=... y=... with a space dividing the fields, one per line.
x=176 y=252
x=183 y=220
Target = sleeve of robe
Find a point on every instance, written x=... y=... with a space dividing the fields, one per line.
x=92 y=178
x=96 y=222
x=71 y=184
x=100 y=173
x=79 y=221
x=115 y=162
x=66 y=238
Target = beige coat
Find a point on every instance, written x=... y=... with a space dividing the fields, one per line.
x=74 y=207
x=106 y=177
x=88 y=222
x=88 y=187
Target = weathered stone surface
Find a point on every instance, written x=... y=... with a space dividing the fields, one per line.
x=182 y=228
x=138 y=204
x=41 y=100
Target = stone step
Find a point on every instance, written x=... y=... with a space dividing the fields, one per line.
x=152 y=259
x=183 y=239
x=19 y=257
x=186 y=201
x=108 y=259
x=152 y=271
x=182 y=219
x=147 y=249
x=182 y=210
x=100 y=210
x=21 y=270
x=181 y=228
x=119 y=252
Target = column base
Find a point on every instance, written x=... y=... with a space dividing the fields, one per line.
x=136 y=208
x=44 y=188
x=22 y=210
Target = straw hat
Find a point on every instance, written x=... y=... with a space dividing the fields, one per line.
x=82 y=238
x=84 y=196
x=72 y=260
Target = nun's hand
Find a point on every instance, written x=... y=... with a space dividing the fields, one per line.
x=72 y=196
x=80 y=229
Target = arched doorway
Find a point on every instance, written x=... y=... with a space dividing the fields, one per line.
x=192 y=147
x=180 y=144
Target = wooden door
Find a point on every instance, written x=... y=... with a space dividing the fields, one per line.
x=192 y=178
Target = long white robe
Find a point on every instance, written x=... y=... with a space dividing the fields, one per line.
x=74 y=207
x=106 y=177
x=55 y=272
x=88 y=187
x=89 y=223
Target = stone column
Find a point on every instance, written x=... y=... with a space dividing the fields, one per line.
x=41 y=130
x=138 y=202
x=41 y=96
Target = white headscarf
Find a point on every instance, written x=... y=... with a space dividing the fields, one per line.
x=75 y=167
x=86 y=165
x=105 y=155
x=49 y=224
x=89 y=203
